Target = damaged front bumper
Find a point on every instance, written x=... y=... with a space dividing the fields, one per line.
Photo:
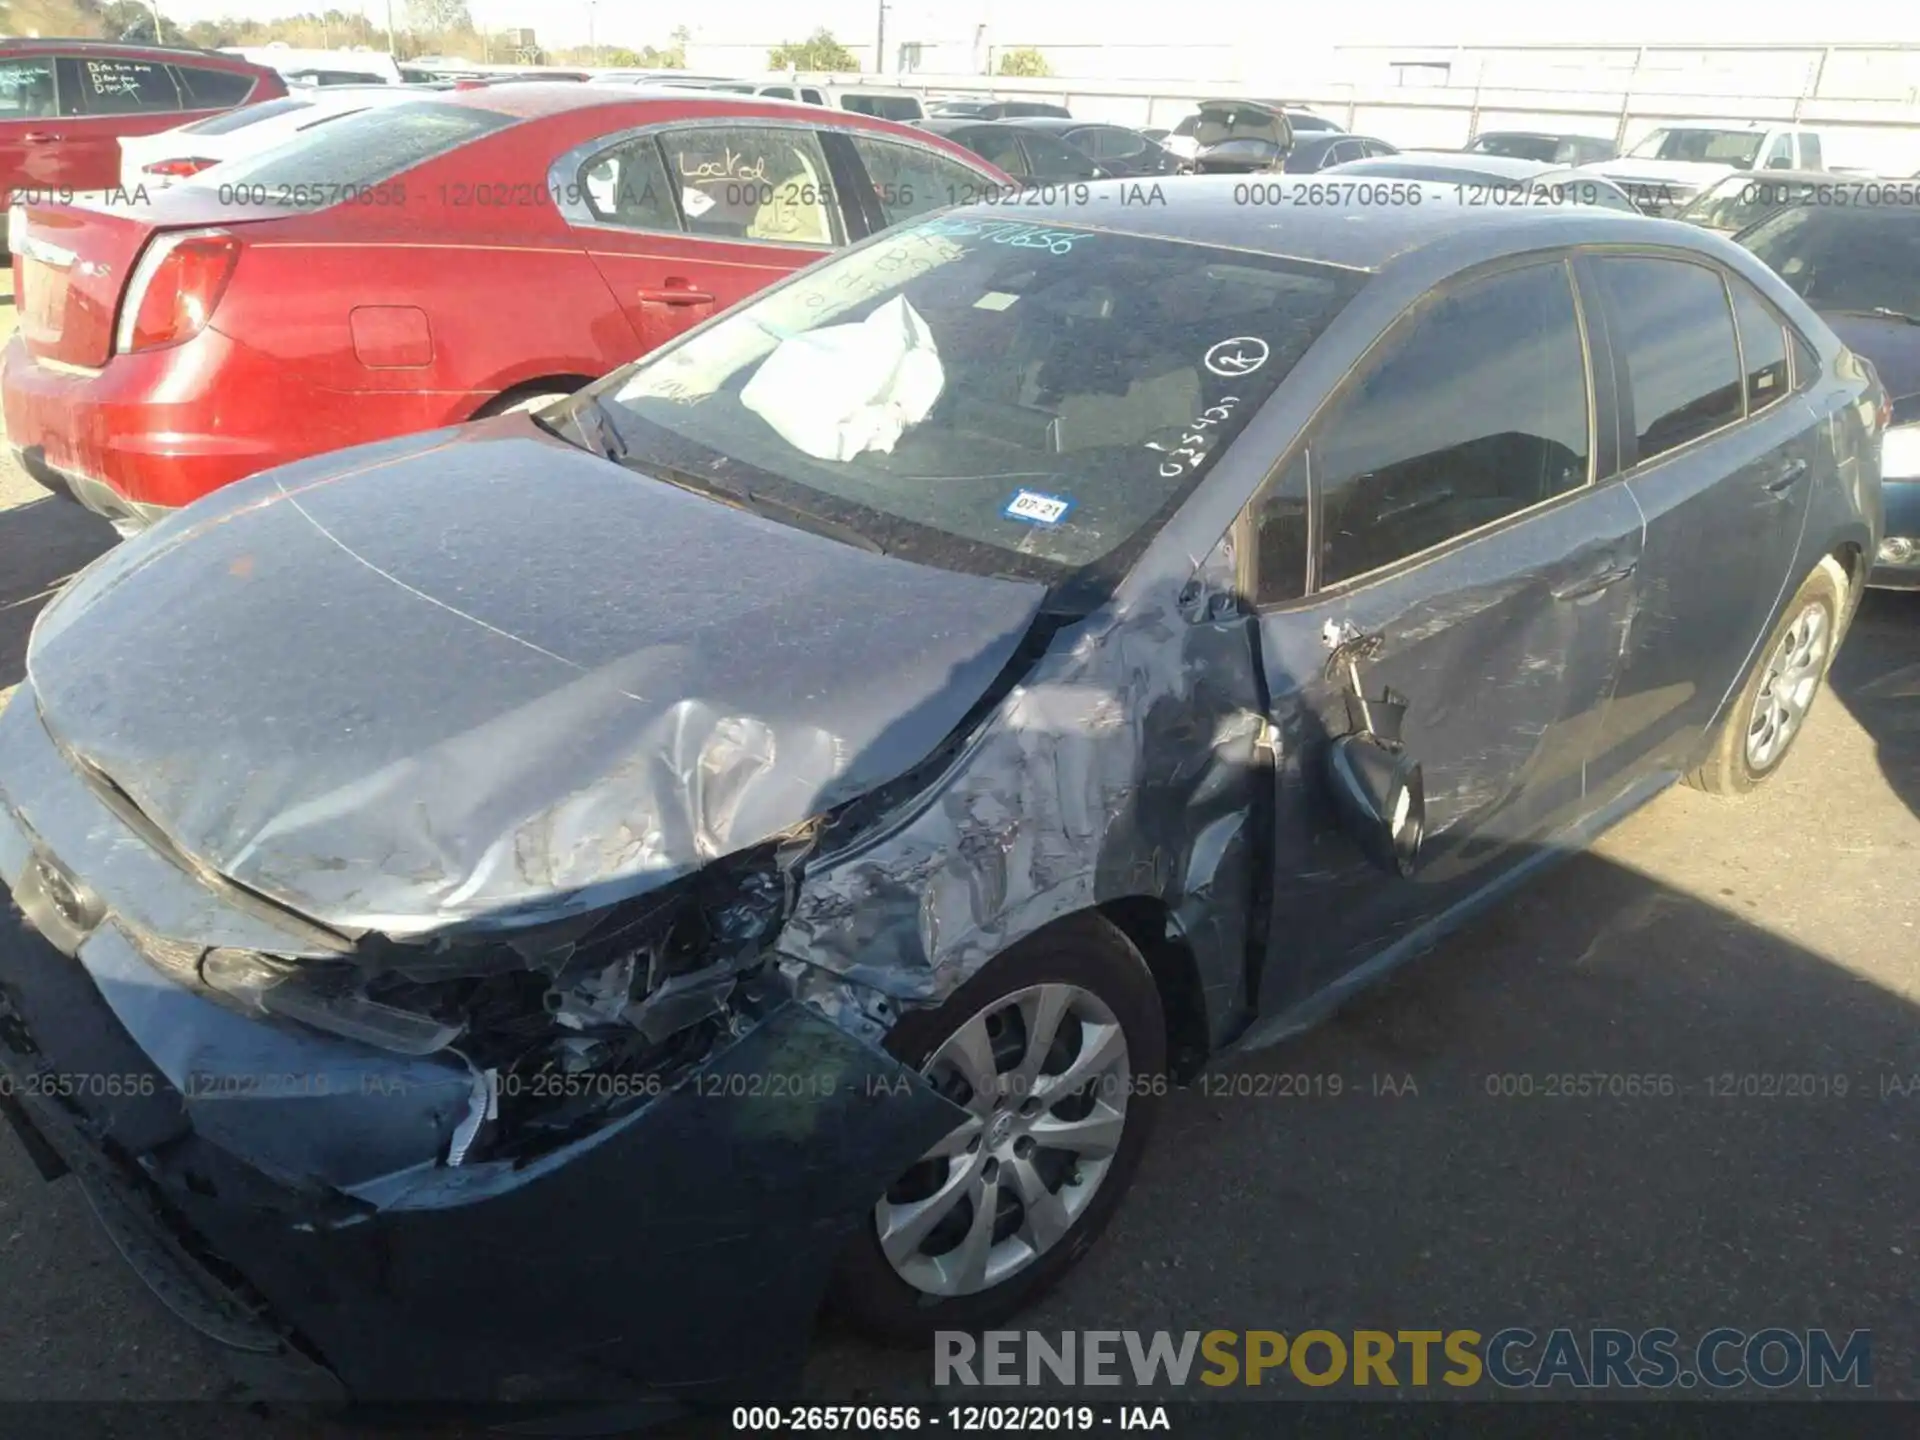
x=289 y=1192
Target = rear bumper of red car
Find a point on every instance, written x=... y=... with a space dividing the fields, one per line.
x=148 y=433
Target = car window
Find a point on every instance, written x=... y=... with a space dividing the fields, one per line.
x=1068 y=387
x=1780 y=153
x=328 y=164
x=812 y=96
x=92 y=86
x=1671 y=321
x=909 y=180
x=1810 y=152
x=1118 y=144
x=1000 y=148
x=1806 y=364
x=1763 y=346
x=1842 y=258
x=777 y=92
x=26 y=89
x=231 y=120
x=1054 y=160
x=1738 y=148
x=753 y=182
x=1280 y=535
x=627 y=186
x=1476 y=409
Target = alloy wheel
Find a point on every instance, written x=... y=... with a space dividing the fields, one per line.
x=1043 y=1075
x=1788 y=685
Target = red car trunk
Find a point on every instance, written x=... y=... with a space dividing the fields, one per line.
x=72 y=262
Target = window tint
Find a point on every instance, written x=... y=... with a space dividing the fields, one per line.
x=1672 y=321
x=627 y=186
x=1763 y=346
x=997 y=147
x=202 y=89
x=252 y=115
x=1806 y=364
x=910 y=181
x=1054 y=160
x=1478 y=409
x=1844 y=257
x=116 y=87
x=777 y=92
x=1780 y=153
x=812 y=96
x=26 y=89
x=1280 y=535
x=325 y=164
x=1810 y=153
x=752 y=182
x=1118 y=144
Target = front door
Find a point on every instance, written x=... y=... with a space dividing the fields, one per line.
x=1465 y=558
x=685 y=222
x=1719 y=456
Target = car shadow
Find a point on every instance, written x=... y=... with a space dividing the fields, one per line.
x=42 y=543
x=1876 y=676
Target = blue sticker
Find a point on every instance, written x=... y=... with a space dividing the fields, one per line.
x=1035 y=507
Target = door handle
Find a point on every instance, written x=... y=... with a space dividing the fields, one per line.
x=1594 y=581
x=675 y=295
x=1789 y=474
x=41 y=137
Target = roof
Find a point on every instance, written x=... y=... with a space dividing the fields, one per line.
x=1498 y=167
x=1204 y=209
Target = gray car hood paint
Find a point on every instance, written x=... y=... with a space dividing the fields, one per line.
x=481 y=673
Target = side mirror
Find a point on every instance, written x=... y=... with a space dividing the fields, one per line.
x=1381 y=799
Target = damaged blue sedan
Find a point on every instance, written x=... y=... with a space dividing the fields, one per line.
x=532 y=911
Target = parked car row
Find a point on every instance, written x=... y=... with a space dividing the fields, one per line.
x=566 y=895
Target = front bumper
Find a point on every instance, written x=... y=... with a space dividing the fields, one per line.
x=285 y=1192
x=151 y=432
x=1900 y=502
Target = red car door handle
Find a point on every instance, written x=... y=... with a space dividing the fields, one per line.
x=675 y=295
x=40 y=137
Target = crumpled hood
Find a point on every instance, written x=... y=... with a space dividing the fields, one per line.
x=479 y=672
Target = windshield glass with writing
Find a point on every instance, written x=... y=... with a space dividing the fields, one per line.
x=983 y=394
x=1740 y=200
x=1739 y=148
x=1844 y=259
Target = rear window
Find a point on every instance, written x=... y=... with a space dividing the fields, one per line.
x=239 y=119
x=205 y=89
x=886 y=107
x=1845 y=258
x=369 y=146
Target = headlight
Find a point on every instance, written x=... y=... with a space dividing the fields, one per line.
x=1900 y=453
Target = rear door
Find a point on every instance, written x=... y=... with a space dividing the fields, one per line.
x=1718 y=455
x=1443 y=539
x=30 y=126
x=686 y=220
x=103 y=98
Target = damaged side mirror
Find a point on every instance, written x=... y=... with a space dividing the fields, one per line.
x=1381 y=799
x=1377 y=787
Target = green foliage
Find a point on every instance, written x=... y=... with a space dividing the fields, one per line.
x=1025 y=61
x=819 y=52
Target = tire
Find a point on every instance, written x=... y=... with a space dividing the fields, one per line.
x=1772 y=707
x=515 y=401
x=1089 y=960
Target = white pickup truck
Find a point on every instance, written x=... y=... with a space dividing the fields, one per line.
x=1676 y=162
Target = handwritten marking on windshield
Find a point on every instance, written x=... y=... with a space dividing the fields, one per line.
x=1241 y=355
x=1192 y=448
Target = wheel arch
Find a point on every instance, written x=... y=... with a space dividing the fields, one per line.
x=513 y=394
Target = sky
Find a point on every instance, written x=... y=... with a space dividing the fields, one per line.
x=561 y=23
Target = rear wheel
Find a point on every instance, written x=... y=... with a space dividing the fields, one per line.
x=1767 y=717
x=1057 y=1054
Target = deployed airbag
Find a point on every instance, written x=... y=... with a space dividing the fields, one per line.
x=844 y=389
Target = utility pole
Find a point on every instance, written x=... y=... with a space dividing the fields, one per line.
x=158 y=38
x=880 y=42
x=393 y=48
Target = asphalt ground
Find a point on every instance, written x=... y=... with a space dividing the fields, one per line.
x=1723 y=944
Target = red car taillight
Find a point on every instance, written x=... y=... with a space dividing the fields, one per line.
x=177 y=169
x=174 y=288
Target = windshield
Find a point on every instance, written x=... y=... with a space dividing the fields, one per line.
x=981 y=394
x=1739 y=148
x=1844 y=259
x=1740 y=200
x=328 y=163
x=1518 y=147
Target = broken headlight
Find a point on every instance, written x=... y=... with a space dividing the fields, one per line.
x=554 y=1015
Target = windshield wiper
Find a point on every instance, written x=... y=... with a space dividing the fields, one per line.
x=594 y=424
x=1882 y=311
x=754 y=503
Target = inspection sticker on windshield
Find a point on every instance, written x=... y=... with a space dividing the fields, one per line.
x=1037 y=508
x=994 y=300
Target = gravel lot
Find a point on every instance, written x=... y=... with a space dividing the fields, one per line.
x=1775 y=935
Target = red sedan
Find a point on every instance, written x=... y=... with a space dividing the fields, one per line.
x=420 y=265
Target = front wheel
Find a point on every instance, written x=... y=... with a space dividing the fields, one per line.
x=1772 y=709
x=1056 y=1052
